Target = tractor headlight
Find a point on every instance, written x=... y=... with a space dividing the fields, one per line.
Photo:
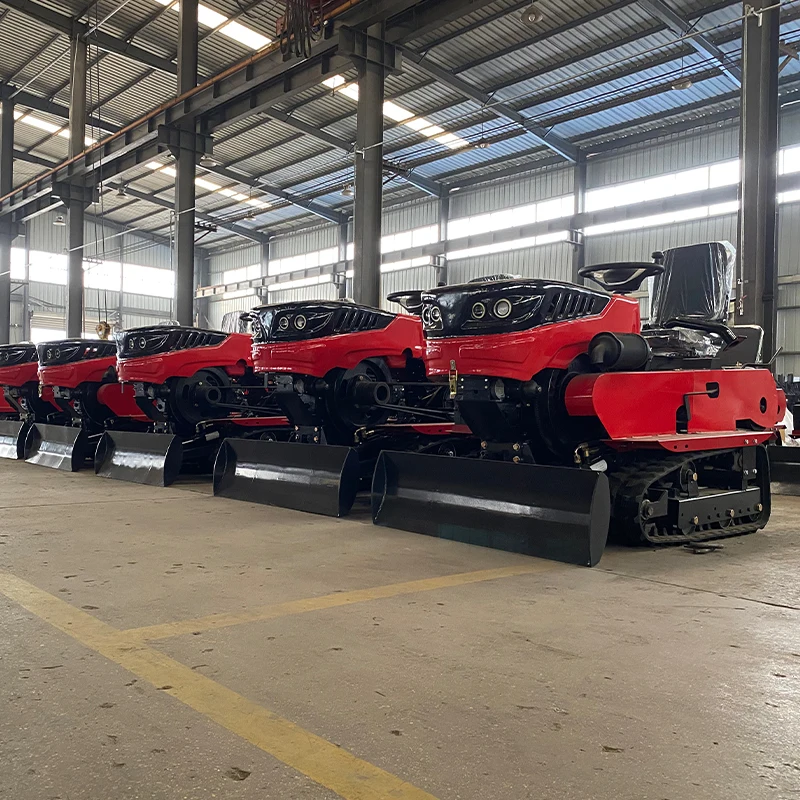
x=478 y=311
x=503 y=308
x=283 y=323
x=300 y=322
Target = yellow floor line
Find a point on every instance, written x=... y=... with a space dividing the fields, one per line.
x=323 y=762
x=214 y=621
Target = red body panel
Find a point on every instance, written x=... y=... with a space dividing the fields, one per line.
x=636 y=404
x=317 y=357
x=233 y=355
x=71 y=376
x=519 y=356
x=121 y=400
x=19 y=374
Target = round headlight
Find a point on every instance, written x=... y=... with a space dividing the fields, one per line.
x=299 y=322
x=478 y=311
x=502 y=308
x=49 y=355
x=57 y=353
x=426 y=315
x=142 y=343
x=283 y=323
x=436 y=314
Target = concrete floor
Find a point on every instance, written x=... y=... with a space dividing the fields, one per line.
x=659 y=674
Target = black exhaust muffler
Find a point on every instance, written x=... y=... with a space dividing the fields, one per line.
x=322 y=479
x=60 y=447
x=558 y=513
x=152 y=459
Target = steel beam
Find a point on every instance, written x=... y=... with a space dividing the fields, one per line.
x=76 y=208
x=46 y=106
x=74 y=29
x=369 y=180
x=547 y=138
x=758 y=288
x=186 y=160
x=329 y=214
x=232 y=227
x=701 y=43
x=6 y=226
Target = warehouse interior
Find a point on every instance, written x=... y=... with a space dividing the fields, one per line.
x=177 y=164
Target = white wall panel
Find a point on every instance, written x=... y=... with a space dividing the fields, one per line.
x=552 y=261
x=305 y=242
x=410 y=216
x=403 y=280
x=323 y=291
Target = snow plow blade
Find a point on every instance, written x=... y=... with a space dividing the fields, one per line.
x=557 y=513
x=153 y=459
x=57 y=446
x=784 y=469
x=12 y=438
x=322 y=479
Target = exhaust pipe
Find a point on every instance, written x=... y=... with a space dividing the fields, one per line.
x=558 y=513
x=59 y=447
x=322 y=479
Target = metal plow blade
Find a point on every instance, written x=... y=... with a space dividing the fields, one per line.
x=12 y=438
x=153 y=459
x=57 y=446
x=784 y=468
x=322 y=479
x=556 y=513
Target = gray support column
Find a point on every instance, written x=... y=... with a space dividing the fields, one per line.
x=758 y=280
x=6 y=234
x=76 y=209
x=369 y=181
x=26 y=291
x=185 y=169
x=442 y=276
x=342 y=259
x=576 y=234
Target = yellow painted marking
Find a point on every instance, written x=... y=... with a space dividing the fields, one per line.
x=330 y=766
x=214 y=621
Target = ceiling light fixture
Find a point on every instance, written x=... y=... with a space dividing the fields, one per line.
x=347 y=191
x=60 y=220
x=531 y=15
x=682 y=84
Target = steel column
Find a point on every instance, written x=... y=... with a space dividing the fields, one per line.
x=185 y=169
x=76 y=208
x=26 y=291
x=341 y=275
x=757 y=293
x=576 y=236
x=6 y=232
x=368 y=204
x=444 y=219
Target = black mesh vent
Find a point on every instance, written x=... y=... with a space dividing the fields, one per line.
x=153 y=341
x=296 y=322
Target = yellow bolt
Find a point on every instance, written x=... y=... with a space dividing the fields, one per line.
x=696 y=520
x=516 y=448
x=483 y=445
x=759 y=507
x=694 y=477
x=517 y=459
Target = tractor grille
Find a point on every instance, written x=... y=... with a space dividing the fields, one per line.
x=294 y=322
x=505 y=306
x=12 y=354
x=153 y=341
x=68 y=351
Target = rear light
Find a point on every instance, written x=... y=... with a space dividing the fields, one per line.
x=154 y=341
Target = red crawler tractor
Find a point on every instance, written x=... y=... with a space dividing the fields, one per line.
x=586 y=420
x=79 y=378
x=22 y=401
x=194 y=387
x=351 y=380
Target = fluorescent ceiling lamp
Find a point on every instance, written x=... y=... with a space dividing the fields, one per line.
x=396 y=112
x=335 y=82
x=418 y=124
x=210 y=18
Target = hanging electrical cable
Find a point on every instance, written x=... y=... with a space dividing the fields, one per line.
x=302 y=25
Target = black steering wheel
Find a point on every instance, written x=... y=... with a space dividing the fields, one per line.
x=621 y=277
x=410 y=300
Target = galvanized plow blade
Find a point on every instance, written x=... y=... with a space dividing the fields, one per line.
x=12 y=438
x=153 y=459
x=551 y=512
x=784 y=464
x=57 y=446
x=321 y=479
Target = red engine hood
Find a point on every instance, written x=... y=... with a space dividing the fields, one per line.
x=19 y=374
x=70 y=376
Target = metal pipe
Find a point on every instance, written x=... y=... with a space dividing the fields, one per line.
x=185 y=172
x=6 y=235
x=76 y=208
x=369 y=180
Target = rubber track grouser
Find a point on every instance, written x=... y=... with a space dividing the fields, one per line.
x=195 y=387
x=80 y=376
x=351 y=379
x=587 y=421
x=23 y=402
